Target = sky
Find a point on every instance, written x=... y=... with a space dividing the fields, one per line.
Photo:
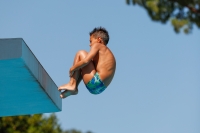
x=156 y=87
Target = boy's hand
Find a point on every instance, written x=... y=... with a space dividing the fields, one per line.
x=71 y=72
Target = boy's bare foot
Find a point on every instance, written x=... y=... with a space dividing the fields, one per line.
x=69 y=86
x=67 y=93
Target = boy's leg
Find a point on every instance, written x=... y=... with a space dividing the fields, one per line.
x=86 y=73
x=67 y=93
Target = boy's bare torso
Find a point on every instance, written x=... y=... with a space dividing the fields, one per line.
x=105 y=64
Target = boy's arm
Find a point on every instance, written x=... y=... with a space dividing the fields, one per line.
x=93 y=51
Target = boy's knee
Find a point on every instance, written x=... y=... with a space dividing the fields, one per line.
x=82 y=52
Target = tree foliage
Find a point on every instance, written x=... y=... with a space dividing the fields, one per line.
x=183 y=14
x=32 y=124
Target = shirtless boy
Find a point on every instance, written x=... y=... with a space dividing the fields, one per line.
x=96 y=68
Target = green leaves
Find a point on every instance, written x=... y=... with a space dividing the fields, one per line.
x=180 y=24
x=183 y=14
x=153 y=6
x=32 y=124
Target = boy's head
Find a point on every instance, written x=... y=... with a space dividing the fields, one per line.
x=101 y=33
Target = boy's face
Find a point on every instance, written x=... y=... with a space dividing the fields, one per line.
x=94 y=40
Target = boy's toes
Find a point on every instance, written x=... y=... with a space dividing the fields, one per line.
x=61 y=96
x=65 y=94
x=59 y=89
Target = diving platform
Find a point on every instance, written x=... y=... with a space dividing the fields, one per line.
x=25 y=86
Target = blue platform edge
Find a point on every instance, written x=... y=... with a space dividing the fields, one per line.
x=25 y=86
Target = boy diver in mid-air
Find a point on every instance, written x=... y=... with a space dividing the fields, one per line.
x=96 y=68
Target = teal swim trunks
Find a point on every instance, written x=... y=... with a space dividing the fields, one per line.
x=95 y=85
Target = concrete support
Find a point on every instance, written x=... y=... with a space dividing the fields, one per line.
x=25 y=86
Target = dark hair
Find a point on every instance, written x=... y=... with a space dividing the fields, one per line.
x=100 y=32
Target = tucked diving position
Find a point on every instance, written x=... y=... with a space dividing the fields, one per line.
x=96 y=68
